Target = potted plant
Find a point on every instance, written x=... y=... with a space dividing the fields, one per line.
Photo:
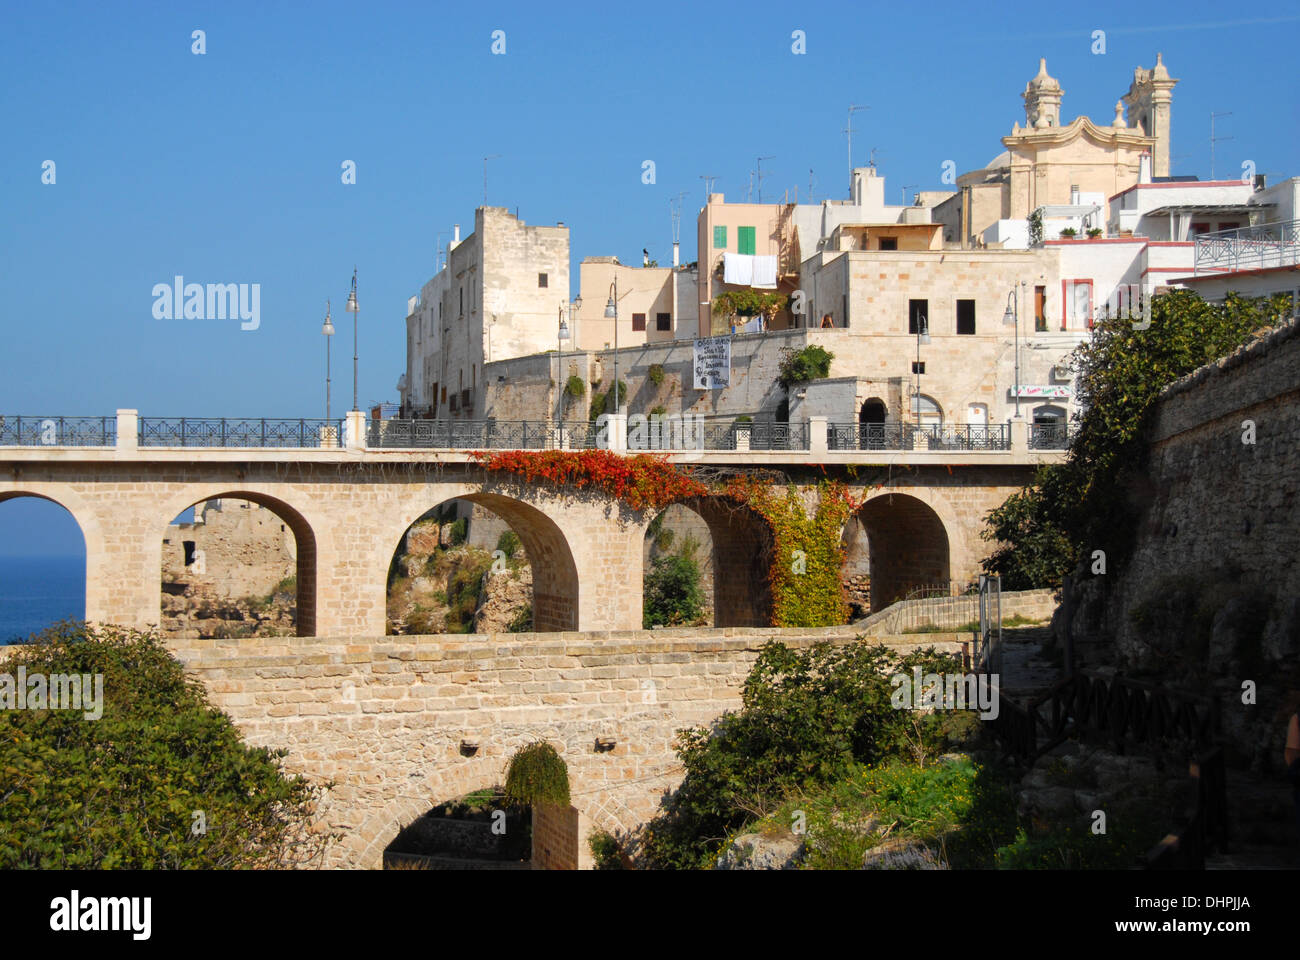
x=1069 y=233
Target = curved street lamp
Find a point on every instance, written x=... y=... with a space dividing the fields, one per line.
x=327 y=328
x=352 y=309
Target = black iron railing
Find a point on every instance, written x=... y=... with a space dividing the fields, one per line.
x=911 y=436
x=58 y=431
x=482 y=434
x=224 y=432
x=1049 y=436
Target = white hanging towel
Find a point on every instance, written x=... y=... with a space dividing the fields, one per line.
x=738 y=268
x=765 y=271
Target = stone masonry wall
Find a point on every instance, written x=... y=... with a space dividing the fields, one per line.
x=384 y=717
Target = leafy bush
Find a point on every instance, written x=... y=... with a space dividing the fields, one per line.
x=459 y=531
x=121 y=792
x=605 y=850
x=575 y=388
x=522 y=622
x=808 y=717
x=672 y=592
x=508 y=542
x=811 y=363
x=656 y=374
x=538 y=775
x=658 y=410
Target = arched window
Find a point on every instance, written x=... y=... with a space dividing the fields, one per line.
x=927 y=410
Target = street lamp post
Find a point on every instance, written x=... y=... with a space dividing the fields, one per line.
x=1013 y=317
x=352 y=309
x=327 y=328
x=562 y=333
x=611 y=313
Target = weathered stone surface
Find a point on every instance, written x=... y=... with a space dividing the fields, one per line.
x=753 y=851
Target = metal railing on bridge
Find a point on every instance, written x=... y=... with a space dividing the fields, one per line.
x=912 y=436
x=481 y=434
x=1248 y=248
x=58 y=431
x=223 y=432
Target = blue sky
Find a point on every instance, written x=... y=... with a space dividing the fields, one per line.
x=225 y=167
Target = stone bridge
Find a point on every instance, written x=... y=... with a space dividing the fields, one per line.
x=401 y=724
x=349 y=508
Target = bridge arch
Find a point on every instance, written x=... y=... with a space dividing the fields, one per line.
x=294 y=519
x=907 y=542
x=742 y=556
x=556 y=584
x=95 y=554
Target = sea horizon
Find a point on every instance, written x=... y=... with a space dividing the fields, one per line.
x=37 y=592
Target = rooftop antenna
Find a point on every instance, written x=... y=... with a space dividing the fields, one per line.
x=853 y=108
x=438 y=263
x=874 y=151
x=1214 y=139
x=812 y=179
x=905 y=189
x=675 y=208
x=708 y=179
x=758 y=177
x=492 y=156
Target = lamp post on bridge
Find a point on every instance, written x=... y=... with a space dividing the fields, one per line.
x=327 y=328
x=353 y=309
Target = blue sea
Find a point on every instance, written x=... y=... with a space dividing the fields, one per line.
x=36 y=592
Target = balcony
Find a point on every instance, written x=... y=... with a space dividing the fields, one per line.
x=1248 y=248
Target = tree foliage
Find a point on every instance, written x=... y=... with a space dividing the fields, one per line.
x=813 y=362
x=1091 y=501
x=807 y=717
x=161 y=780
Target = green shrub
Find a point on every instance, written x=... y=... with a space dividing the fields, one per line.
x=538 y=775
x=508 y=542
x=656 y=374
x=672 y=592
x=121 y=792
x=575 y=388
x=808 y=717
x=811 y=363
x=459 y=531
x=604 y=850
x=522 y=621
x=658 y=410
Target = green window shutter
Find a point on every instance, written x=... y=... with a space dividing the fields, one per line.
x=720 y=238
x=745 y=240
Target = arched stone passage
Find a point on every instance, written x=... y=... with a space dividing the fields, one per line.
x=742 y=557
x=556 y=586
x=304 y=538
x=667 y=535
x=907 y=546
x=41 y=567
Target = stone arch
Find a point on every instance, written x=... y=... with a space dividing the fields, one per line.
x=907 y=545
x=92 y=538
x=874 y=410
x=556 y=587
x=742 y=554
x=304 y=537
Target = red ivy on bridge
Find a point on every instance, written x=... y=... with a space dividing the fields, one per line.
x=640 y=481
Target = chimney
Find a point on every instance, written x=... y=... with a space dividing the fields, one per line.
x=455 y=234
x=1144 y=168
x=676 y=251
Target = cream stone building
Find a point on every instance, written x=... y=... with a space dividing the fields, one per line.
x=501 y=294
x=654 y=304
x=1048 y=161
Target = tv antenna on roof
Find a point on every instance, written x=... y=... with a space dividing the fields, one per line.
x=758 y=177
x=708 y=179
x=493 y=156
x=853 y=108
x=1214 y=139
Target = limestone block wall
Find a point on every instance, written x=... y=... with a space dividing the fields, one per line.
x=384 y=718
x=246 y=549
x=1214 y=501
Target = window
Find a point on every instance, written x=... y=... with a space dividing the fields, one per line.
x=1077 y=305
x=966 y=318
x=1040 y=309
x=889 y=243
x=541 y=280
x=746 y=241
x=916 y=314
x=918 y=366
x=638 y=321
x=720 y=238
x=663 y=321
